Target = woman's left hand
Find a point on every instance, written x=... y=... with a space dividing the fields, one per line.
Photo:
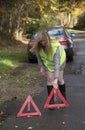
x=42 y=70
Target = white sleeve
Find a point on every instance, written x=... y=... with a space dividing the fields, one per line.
x=57 y=63
x=39 y=60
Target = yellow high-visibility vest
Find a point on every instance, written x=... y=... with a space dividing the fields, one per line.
x=48 y=59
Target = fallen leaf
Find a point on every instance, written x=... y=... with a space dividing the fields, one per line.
x=16 y=126
x=83 y=122
x=30 y=128
x=1 y=113
x=63 y=123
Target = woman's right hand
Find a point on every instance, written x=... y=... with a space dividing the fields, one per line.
x=55 y=83
x=42 y=70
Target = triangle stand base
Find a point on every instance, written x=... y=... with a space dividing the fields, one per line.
x=64 y=102
x=27 y=103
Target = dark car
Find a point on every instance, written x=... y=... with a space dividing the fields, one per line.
x=31 y=57
x=62 y=35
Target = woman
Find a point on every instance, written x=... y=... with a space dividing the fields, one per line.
x=51 y=59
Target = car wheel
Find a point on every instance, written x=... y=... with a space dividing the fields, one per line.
x=32 y=58
x=70 y=54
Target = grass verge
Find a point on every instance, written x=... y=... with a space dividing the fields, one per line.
x=10 y=59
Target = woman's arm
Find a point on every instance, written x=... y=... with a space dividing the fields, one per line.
x=57 y=66
x=57 y=63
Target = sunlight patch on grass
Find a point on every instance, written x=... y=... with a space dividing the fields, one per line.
x=7 y=65
x=10 y=59
x=76 y=31
x=6 y=62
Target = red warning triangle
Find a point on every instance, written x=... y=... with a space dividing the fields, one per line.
x=28 y=103
x=56 y=105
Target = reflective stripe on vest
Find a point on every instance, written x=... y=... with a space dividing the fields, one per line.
x=48 y=59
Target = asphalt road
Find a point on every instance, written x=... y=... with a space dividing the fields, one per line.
x=70 y=118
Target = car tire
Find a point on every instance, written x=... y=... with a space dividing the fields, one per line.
x=70 y=54
x=32 y=58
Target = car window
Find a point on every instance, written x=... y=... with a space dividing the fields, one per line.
x=55 y=31
x=33 y=36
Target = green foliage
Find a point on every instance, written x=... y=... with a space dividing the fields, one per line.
x=81 y=21
x=48 y=21
x=32 y=28
x=12 y=13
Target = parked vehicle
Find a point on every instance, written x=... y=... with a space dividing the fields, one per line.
x=31 y=57
x=62 y=35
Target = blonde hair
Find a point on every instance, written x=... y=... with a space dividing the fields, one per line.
x=41 y=35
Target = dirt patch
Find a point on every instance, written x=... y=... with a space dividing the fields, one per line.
x=16 y=85
x=23 y=81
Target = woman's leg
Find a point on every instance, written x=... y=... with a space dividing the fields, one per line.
x=61 y=79
x=50 y=85
x=62 y=87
